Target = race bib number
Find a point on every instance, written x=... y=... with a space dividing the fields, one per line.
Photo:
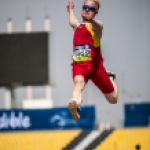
x=82 y=53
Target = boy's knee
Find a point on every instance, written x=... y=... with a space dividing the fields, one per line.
x=112 y=98
x=79 y=82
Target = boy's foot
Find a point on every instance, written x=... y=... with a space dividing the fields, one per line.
x=74 y=109
x=111 y=74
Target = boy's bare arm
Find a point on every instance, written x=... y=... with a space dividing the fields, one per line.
x=73 y=21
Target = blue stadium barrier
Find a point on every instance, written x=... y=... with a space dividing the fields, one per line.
x=137 y=114
x=43 y=119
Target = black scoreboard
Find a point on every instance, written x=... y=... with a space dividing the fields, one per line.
x=24 y=58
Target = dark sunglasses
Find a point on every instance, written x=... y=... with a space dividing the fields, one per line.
x=89 y=8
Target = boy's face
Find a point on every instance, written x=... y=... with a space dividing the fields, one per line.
x=89 y=10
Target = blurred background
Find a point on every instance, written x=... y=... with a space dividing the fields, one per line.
x=36 y=79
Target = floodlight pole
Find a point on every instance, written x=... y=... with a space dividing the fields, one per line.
x=28 y=30
x=9 y=90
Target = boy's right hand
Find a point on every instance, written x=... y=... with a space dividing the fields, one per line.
x=70 y=5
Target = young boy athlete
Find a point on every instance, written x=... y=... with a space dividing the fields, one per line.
x=87 y=58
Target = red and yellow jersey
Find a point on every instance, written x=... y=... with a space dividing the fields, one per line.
x=86 y=44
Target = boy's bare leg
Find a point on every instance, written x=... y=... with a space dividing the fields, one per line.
x=76 y=98
x=112 y=97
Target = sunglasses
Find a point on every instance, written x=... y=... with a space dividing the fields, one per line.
x=89 y=8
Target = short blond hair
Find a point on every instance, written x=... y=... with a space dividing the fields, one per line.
x=97 y=2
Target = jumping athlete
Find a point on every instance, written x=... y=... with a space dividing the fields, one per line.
x=87 y=57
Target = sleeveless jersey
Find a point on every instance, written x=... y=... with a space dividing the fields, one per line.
x=86 y=44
